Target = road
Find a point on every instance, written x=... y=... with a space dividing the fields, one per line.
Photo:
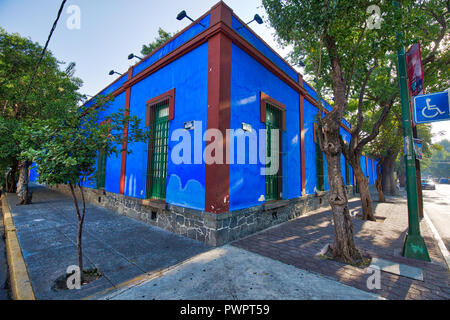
x=437 y=207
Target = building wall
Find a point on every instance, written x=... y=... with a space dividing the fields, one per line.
x=189 y=76
x=248 y=79
x=310 y=112
x=112 y=173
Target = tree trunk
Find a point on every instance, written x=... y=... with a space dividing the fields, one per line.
x=344 y=248
x=23 y=193
x=378 y=183
x=11 y=177
x=387 y=173
x=364 y=193
x=80 y=217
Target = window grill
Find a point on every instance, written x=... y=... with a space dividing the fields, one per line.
x=158 y=145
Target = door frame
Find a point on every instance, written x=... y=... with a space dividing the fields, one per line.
x=149 y=122
x=264 y=100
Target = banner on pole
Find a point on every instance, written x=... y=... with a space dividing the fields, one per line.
x=418 y=146
x=414 y=70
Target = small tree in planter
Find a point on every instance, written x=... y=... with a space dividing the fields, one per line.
x=65 y=149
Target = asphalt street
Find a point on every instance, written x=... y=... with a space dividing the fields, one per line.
x=437 y=207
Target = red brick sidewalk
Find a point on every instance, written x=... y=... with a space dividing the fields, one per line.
x=298 y=241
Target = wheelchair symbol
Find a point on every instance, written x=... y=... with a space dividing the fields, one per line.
x=432 y=111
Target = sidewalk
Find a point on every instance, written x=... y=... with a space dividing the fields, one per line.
x=139 y=261
x=231 y=273
x=120 y=247
x=160 y=265
x=298 y=241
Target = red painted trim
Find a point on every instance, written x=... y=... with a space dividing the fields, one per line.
x=265 y=43
x=220 y=12
x=148 y=121
x=224 y=28
x=302 y=144
x=217 y=176
x=106 y=121
x=172 y=38
x=123 y=164
x=166 y=95
x=264 y=98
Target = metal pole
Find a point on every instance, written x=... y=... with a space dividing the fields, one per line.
x=414 y=245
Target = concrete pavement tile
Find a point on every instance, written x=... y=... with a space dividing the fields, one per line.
x=124 y=274
x=243 y=275
x=32 y=241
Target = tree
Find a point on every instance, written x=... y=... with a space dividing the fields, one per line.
x=162 y=37
x=338 y=47
x=53 y=91
x=65 y=149
x=438 y=163
x=425 y=22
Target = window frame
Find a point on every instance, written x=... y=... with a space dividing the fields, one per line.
x=150 y=122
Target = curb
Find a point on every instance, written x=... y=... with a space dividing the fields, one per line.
x=20 y=281
x=438 y=238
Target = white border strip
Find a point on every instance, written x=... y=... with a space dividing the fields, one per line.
x=441 y=244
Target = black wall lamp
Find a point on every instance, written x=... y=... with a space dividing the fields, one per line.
x=183 y=15
x=112 y=72
x=256 y=18
x=132 y=55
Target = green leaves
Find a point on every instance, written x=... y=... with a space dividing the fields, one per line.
x=65 y=149
x=162 y=37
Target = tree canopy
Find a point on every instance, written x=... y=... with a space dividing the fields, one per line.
x=162 y=37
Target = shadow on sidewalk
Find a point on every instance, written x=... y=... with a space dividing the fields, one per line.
x=119 y=247
x=297 y=242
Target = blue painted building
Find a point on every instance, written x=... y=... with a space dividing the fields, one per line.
x=218 y=74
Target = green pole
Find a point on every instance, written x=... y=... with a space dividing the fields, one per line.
x=414 y=245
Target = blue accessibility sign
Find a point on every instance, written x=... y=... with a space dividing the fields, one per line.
x=432 y=107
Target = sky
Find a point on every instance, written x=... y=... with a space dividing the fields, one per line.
x=112 y=29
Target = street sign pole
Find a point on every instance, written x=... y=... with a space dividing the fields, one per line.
x=414 y=246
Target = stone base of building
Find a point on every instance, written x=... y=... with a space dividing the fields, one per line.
x=213 y=229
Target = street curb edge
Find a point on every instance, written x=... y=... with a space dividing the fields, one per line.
x=438 y=238
x=19 y=279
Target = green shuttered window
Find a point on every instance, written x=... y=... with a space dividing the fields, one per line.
x=273 y=118
x=158 y=145
x=101 y=170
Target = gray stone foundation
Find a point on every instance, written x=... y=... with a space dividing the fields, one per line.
x=213 y=229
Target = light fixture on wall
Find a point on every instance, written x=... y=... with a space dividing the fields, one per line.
x=246 y=127
x=256 y=18
x=183 y=15
x=132 y=55
x=189 y=125
x=112 y=72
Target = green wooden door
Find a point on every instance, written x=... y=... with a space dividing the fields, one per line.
x=101 y=169
x=272 y=123
x=160 y=141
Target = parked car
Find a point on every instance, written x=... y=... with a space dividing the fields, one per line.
x=444 y=180
x=428 y=184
